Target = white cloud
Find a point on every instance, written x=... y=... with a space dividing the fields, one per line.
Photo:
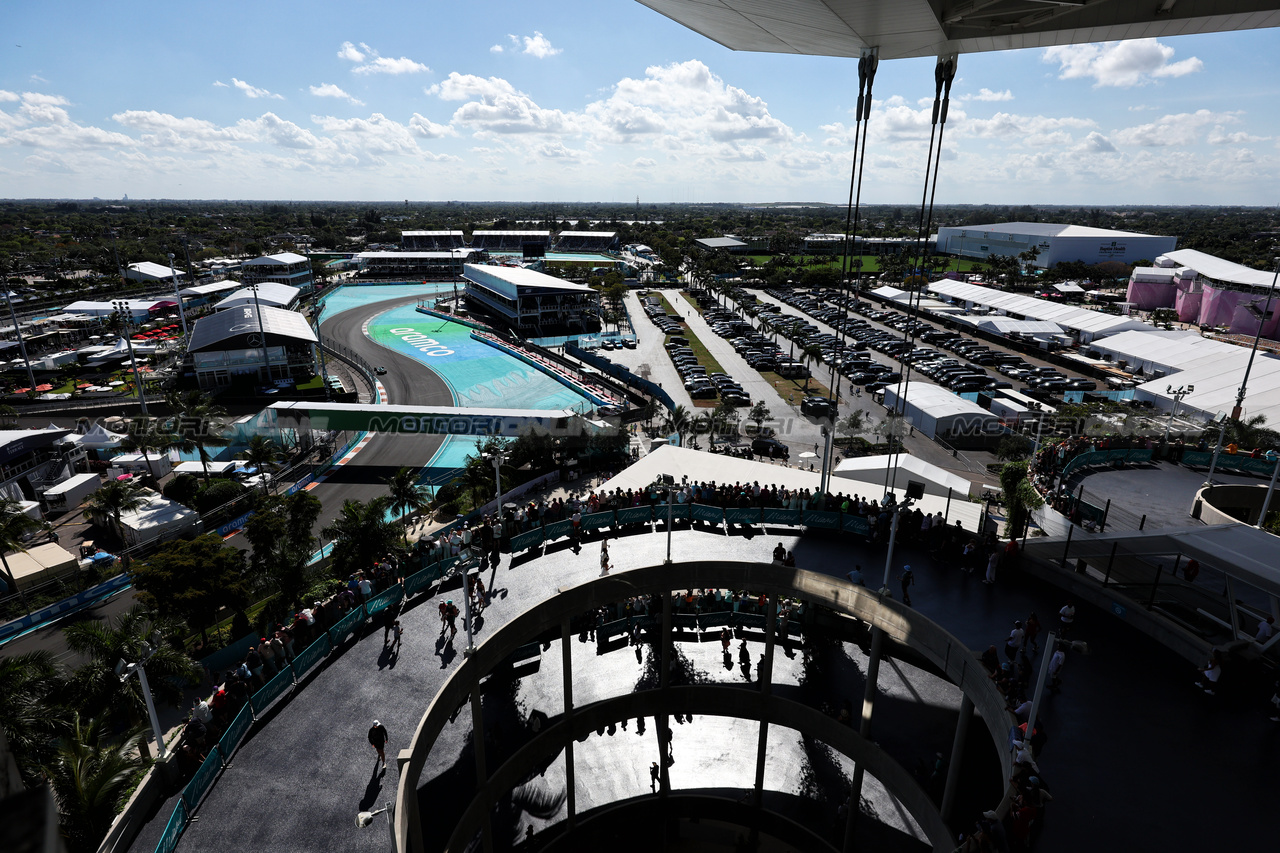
x=377 y=64
x=1097 y=143
x=1008 y=125
x=687 y=101
x=162 y=130
x=331 y=90
x=351 y=53
x=495 y=106
x=988 y=95
x=1123 y=64
x=644 y=163
x=1172 y=130
x=497 y=48
x=1220 y=136
x=539 y=46
x=8 y=96
x=387 y=65
x=422 y=126
x=254 y=91
x=220 y=84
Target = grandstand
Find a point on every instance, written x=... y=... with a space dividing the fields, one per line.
x=587 y=241
x=428 y=266
x=509 y=241
x=430 y=241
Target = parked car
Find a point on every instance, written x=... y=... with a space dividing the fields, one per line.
x=770 y=447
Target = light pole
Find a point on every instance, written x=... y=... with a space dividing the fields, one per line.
x=126 y=321
x=262 y=333
x=324 y=369
x=124 y=670
x=497 y=458
x=22 y=344
x=1178 y=394
x=467 y=559
x=364 y=819
x=177 y=294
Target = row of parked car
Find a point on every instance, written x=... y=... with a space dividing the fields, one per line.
x=955 y=375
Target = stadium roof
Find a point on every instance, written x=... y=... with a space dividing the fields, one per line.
x=521 y=277
x=213 y=329
x=275 y=260
x=269 y=293
x=207 y=289
x=1049 y=229
x=564 y=234
x=1219 y=269
x=721 y=242
x=1067 y=316
x=431 y=233
x=511 y=233
x=437 y=253
x=902 y=28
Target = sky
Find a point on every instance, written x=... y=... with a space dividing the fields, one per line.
x=492 y=100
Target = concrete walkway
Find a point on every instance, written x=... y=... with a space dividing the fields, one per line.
x=1134 y=750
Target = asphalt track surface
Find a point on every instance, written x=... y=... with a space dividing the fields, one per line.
x=407 y=382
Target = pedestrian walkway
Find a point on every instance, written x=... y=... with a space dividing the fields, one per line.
x=1133 y=748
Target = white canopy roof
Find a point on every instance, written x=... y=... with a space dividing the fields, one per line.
x=99 y=438
x=215 y=469
x=871 y=470
x=1068 y=316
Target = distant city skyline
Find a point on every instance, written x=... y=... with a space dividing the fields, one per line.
x=592 y=102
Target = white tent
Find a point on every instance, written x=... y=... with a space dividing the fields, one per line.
x=871 y=470
x=99 y=438
x=39 y=564
x=158 y=518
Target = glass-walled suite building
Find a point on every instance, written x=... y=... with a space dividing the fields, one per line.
x=231 y=343
x=285 y=268
x=529 y=301
x=432 y=265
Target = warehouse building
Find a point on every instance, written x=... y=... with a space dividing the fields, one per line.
x=1055 y=243
x=939 y=414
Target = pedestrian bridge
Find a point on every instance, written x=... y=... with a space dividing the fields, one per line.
x=429 y=420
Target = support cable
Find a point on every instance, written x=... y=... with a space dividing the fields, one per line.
x=867 y=65
x=944 y=74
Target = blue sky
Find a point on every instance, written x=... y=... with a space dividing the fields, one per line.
x=598 y=101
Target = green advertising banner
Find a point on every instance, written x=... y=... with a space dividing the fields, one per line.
x=822 y=519
x=781 y=516
x=713 y=514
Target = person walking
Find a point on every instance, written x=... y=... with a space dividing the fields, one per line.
x=392 y=614
x=992 y=562
x=604 y=558
x=1067 y=615
x=908 y=578
x=450 y=618
x=396 y=631
x=378 y=740
x=655 y=777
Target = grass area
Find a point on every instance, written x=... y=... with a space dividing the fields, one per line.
x=700 y=351
x=315 y=383
x=220 y=632
x=793 y=390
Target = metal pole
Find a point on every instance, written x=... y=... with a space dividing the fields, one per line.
x=126 y=317
x=1110 y=561
x=671 y=500
x=957 y=754
x=266 y=358
x=1266 y=502
x=177 y=294
x=324 y=368
x=1067 y=547
x=1143 y=522
x=466 y=603
x=1102 y=525
x=1049 y=649
x=888 y=558
x=151 y=710
x=22 y=344
x=946 y=513
x=1213 y=461
x=1155 y=584
x=1239 y=407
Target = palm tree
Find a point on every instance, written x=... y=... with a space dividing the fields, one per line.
x=27 y=683
x=96 y=685
x=404 y=494
x=263 y=454
x=678 y=421
x=143 y=438
x=809 y=354
x=1246 y=434
x=113 y=500
x=15 y=526
x=91 y=774
x=196 y=419
x=361 y=534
